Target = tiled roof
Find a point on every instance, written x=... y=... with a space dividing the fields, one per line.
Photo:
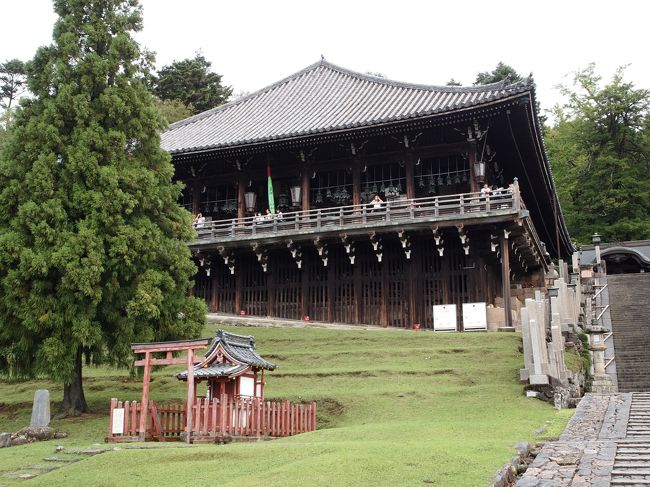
x=239 y=347
x=638 y=248
x=324 y=98
x=215 y=370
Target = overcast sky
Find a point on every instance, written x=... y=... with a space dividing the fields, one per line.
x=254 y=43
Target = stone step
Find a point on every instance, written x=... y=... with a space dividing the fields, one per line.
x=633 y=457
x=631 y=465
x=632 y=471
x=20 y=475
x=62 y=459
x=44 y=468
x=627 y=481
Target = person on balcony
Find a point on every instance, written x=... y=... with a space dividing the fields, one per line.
x=199 y=221
x=376 y=203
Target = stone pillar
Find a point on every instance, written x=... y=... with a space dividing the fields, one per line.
x=41 y=409
x=602 y=383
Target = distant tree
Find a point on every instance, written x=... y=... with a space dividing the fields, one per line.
x=453 y=82
x=501 y=72
x=376 y=74
x=601 y=157
x=191 y=82
x=173 y=110
x=93 y=252
x=12 y=82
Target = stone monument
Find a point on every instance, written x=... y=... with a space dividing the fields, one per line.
x=41 y=409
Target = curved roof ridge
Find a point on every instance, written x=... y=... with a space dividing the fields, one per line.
x=497 y=86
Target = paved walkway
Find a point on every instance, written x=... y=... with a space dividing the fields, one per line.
x=607 y=442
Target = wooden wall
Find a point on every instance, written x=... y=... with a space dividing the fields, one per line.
x=396 y=292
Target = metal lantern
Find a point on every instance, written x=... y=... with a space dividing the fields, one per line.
x=479 y=171
x=595 y=239
x=296 y=195
x=250 y=198
x=553 y=292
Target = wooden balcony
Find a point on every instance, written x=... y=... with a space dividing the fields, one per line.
x=467 y=208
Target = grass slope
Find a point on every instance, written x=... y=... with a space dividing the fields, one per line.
x=395 y=408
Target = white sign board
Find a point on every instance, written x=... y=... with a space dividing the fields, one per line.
x=247 y=386
x=474 y=316
x=118 y=421
x=444 y=317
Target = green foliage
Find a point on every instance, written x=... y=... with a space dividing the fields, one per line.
x=601 y=157
x=12 y=82
x=453 y=82
x=394 y=408
x=501 y=72
x=191 y=82
x=173 y=110
x=93 y=247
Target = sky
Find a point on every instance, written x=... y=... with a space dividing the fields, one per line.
x=255 y=43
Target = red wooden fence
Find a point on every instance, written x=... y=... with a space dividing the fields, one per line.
x=215 y=419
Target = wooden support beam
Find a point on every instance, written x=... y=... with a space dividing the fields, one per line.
x=505 y=278
x=306 y=189
x=271 y=290
x=356 y=182
x=144 y=402
x=214 y=294
x=190 y=394
x=238 y=286
x=196 y=197
x=241 y=201
x=410 y=178
x=474 y=186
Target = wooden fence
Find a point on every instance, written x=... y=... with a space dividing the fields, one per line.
x=212 y=420
x=427 y=209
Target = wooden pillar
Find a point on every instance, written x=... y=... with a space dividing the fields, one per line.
x=144 y=402
x=330 y=291
x=306 y=180
x=304 y=292
x=190 y=393
x=196 y=196
x=356 y=277
x=505 y=279
x=214 y=294
x=474 y=186
x=410 y=176
x=413 y=289
x=356 y=182
x=385 y=289
x=241 y=201
x=238 y=284
x=270 y=298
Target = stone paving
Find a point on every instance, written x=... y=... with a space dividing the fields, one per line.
x=607 y=442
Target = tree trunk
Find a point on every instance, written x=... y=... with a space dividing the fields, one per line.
x=74 y=401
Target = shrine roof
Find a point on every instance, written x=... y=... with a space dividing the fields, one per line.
x=215 y=370
x=325 y=98
x=240 y=348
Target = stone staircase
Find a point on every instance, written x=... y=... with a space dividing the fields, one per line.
x=629 y=297
x=632 y=461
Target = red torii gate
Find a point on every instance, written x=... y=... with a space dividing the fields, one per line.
x=168 y=347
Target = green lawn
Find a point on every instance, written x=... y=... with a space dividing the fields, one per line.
x=395 y=408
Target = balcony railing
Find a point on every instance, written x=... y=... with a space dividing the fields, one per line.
x=467 y=205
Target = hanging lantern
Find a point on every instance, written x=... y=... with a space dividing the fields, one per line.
x=448 y=179
x=319 y=197
x=440 y=181
x=464 y=176
x=457 y=179
x=479 y=171
x=420 y=182
x=250 y=198
x=296 y=195
x=374 y=188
